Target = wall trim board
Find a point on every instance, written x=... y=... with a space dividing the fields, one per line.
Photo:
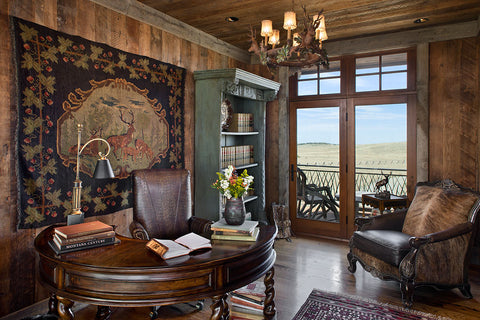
x=146 y=14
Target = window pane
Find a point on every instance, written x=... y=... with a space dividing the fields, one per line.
x=310 y=73
x=394 y=62
x=366 y=83
x=332 y=71
x=329 y=86
x=306 y=88
x=367 y=65
x=397 y=80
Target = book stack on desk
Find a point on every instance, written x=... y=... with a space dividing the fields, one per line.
x=248 y=231
x=82 y=236
x=247 y=302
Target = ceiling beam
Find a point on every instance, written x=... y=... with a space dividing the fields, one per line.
x=146 y=14
x=402 y=39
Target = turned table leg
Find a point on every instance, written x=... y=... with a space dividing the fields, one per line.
x=220 y=310
x=269 y=310
x=103 y=313
x=64 y=308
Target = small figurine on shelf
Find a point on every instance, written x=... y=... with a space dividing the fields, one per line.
x=383 y=183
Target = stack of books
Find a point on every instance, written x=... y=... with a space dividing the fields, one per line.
x=82 y=236
x=248 y=231
x=247 y=302
x=237 y=155
x=241 y=122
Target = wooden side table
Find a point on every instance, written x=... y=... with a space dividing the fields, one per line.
x=394 y=202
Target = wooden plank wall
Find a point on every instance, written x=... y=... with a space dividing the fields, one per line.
x=454 y=111
x=18 y=285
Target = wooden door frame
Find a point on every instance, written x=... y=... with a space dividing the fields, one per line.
x=311 y=227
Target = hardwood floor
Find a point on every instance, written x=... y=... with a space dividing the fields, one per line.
x=308 y=263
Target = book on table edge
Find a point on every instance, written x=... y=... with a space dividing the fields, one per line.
x=246 y=317
x=246 y=300
x=256 y=290
x=87 y=245
x=100 y=235
x=168 y=249
x=240 y=237
x=82 y=229
x=247 y=227
x=246 y=313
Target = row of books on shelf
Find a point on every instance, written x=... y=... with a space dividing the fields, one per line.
x=248 y=231
x=82 y=236
x=241 y=122
x=236 y=155
x=247 y=302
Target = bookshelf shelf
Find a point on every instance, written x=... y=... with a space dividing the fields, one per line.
x=243 y=147
x=225 y=133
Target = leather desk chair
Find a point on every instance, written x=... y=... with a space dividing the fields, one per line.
x=163 y=208
x=428 y=244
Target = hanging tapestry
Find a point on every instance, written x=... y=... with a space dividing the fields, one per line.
x=134 y=102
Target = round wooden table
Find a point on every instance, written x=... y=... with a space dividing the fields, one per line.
x=128 y=274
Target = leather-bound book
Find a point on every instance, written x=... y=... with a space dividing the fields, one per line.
x=82 y=229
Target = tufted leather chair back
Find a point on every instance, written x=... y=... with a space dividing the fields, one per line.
x=162 y=201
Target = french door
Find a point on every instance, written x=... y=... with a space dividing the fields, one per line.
x=339 y=149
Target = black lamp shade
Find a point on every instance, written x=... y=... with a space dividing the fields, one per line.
x=103 y=170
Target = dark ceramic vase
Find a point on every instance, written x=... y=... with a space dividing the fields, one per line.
x=234 y=211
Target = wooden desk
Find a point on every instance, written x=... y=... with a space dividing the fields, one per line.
x=129 y=275
x=382 y=203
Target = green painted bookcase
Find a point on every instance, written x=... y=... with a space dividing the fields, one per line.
x=247 y=93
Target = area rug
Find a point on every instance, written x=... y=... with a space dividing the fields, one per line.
x=134 y=102
x=330 y=306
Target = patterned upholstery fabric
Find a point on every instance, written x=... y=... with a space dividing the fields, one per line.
x=435 y=209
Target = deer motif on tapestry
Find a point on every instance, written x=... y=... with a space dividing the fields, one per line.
x=119 y=142
x=92 y=148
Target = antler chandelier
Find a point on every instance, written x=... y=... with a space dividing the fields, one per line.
x=303 y=50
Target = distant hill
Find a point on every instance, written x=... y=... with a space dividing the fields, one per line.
x=380 y=155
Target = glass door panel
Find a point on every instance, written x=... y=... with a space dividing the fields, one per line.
x=380 y=152
x=315 y=168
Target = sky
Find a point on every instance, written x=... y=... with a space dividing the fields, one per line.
x=373 y=124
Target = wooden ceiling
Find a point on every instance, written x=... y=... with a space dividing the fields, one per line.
x=344 y=18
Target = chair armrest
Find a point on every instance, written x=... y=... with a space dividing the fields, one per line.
x=200 y=225
x=138 y=231
x=389 y=221
x=455 y=231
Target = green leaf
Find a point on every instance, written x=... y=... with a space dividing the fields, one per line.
x=86 y=194
x=50 y=54
x=47 y=82
x=64 y=44
x=49 y=167
x=33 y=215
x=96 y=51
x=30 y=98
x=109 y=68
x=121 y=64
x=99 y=205
x=27 y=33
x=29 y=185
x=31 y=152
x=54 y=198
x=82 y=62
x=30 y=125
x=28 y=62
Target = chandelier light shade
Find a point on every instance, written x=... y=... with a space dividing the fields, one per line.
x=103 y=170
x=289 y=22
x=267 y=30
x=304 y=50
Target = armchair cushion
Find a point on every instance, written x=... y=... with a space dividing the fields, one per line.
x=434 y=209
x=387 y=245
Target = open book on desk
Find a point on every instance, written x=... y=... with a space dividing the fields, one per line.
x=181 y=246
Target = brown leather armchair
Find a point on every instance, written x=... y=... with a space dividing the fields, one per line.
x=163 y=208
x=427 y=244
x=162 y=205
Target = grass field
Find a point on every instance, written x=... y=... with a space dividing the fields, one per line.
x=381 y=155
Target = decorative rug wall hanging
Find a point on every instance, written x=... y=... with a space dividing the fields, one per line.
x=331 y=306
x=134 y=102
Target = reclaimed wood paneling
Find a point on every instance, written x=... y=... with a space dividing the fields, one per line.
x=18 y=285
x=454 y=111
